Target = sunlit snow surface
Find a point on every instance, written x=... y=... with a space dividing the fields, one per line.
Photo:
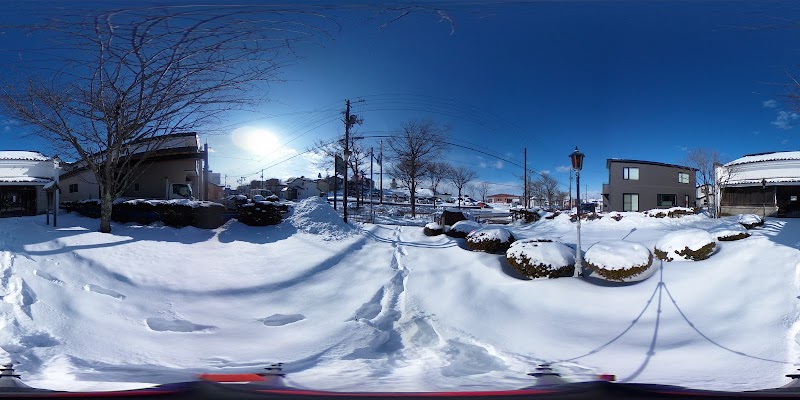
x=384 y=307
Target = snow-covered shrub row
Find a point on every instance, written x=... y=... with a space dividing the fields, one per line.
x=490 y=240
x=687 y=244
x=262 y=213
x=621 y=261
x=729 y=232
x=461 y=229
x=616 y=216
x=433 y=229
x=542 y=258
x=529 y=216
x=591 y=216
x=674 y=212
x=750 y=221
x=175 y=213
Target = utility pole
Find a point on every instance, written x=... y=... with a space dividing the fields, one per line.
x=371 y=184
x=349 y=120
x=205 y=172
x=262 y=179
x=525 y=179
x=570 y=189
x=380 y=154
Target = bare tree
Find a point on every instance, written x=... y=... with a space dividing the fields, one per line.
x=723 y=175
x=704 y=160
x=414 y=148
x=130 y=77
x=460 y=177
x=483 y=190
x=546 y=188
x=436 y=173
x=359 y=156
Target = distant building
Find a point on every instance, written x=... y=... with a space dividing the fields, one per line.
x=764 y=183
x=503 y=198
x=215 y=178
x=24 y=178
x=635 y=185
x=300 y=188
x=705 y=196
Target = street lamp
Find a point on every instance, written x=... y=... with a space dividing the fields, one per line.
x=763 y=199
x=577 y=164
x=346 y=160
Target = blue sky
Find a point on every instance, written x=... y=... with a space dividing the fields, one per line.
x=621 y=79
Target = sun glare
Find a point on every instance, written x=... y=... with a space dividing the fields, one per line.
x=255 y=140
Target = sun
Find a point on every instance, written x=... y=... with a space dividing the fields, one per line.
x=255 y=140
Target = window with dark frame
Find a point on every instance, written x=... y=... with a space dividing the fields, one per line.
x=630 y=173
x=683 y=177
x=630 y=202
x=73 y=188
x=667 y=200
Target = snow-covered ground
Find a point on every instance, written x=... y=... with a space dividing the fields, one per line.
x=383 y=307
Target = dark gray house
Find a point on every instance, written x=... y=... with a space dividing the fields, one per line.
x=635 y=185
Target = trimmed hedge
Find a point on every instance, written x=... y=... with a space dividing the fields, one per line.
x=433 y=229
x=206 y=215
x=458 y=230
x=687 y=253
x=484 y=240
x=262 y=213
x=617 y=260
x=534 y=269
x=731 y=238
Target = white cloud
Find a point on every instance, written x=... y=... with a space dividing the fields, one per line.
x=563 y=168
x=770 y=104
x=545 y=172
x=498 y=164
x=785 y=119
x=482 y=164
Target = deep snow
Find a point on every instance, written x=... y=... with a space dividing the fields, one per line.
x=383 y=307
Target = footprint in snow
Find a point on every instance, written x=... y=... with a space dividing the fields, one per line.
x=102 y=290
x=282 y=319
x=48 y=277
x=176 y=325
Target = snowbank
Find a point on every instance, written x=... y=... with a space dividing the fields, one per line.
x=315 y=216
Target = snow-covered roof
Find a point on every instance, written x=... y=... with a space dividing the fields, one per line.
x=22 y=155
x=761 y=157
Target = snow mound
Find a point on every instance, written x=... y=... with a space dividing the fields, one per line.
x=750 y=221
x=542 y=259
x=729 y=232
x=618 y=260
x=315 y=216
x=686 y=244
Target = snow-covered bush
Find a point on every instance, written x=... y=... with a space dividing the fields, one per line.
x=728 y=233
x=615 y=216
x=528 y=215
x=433 y=229
x=621 y=261
x=674 y=212
x=461 y=229
x=590 y=216
x=687 y=244
x=536 y=258
x=490 y=240
x=750 y=221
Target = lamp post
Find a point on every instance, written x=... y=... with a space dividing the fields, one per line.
x=763 y=199
x=344 y=201
x=577 y=164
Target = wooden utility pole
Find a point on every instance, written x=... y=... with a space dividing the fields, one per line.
x=525 y=179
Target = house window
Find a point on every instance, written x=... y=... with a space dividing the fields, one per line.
x=630 y=173
x=630 y=202
x=667 y=200
x=683 y=177
x=136 y=187
x=73 y=188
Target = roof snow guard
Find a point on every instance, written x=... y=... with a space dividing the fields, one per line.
x=23 y=155
x=762 y=157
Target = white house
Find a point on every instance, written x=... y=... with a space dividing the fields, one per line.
x=24 y=178
x=301 y=188
x=764 y=183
